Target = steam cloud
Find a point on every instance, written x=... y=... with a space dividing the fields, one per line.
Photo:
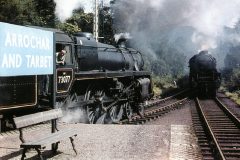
x=154 y=21
x=72 y=114
x=64 y=8
x=125 y=35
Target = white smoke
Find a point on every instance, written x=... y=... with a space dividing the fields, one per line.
x=204 y=42
x=122 y=35
x=72 y=111
x=64 y=8
x=211 y=17
x=76 y=115
x=148 y=18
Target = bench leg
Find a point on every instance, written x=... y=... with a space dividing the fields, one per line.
x=24 y=154
x=73 y=145
x=55 y=147
x=1 y=126
x=39 y=153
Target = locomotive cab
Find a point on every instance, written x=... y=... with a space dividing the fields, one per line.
x=65 y=71
x=65 y=68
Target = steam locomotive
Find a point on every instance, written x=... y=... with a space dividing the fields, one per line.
x=203 y=74
x=106 y=82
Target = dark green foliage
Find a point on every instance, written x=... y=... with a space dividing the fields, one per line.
x=231 y=79
x=45 y=11
x=41 y=13
x=235 y=78
x=9 y=11
x=17 y=12
x=68 y=27
x=82 y=20
x=169 y=62
x=28 y=12
x=231 y=72
x=105 y=24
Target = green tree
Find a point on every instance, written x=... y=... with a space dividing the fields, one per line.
x=45 y=11
x=68 y=28
x=79 y=21
x=28 y=12
x=9 y=11
x=106 y=26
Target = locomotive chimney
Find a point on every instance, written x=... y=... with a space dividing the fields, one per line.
x=203 y=52
x=121 y=43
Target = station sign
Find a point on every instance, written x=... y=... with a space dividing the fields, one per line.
x=25 y=51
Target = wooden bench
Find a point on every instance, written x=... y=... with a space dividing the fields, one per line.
x=52 y=138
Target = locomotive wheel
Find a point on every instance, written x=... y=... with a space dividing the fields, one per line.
x=95 y=111
x=128 y=111
x=70 y=101
x=116 y=113
x=140 y=110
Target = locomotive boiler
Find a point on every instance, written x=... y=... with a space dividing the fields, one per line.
x=107 y=83
x=100 y=56
x=203 y=74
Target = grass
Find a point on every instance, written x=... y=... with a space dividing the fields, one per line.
x=235 y=96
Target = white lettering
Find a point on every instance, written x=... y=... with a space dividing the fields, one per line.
x=27 y=41
x=43 y=44
x=33 y=42
x=38 y=61
x=5 y=61
x=28 y=60
x=11 y=61
x=20 y=41
x=18 y=61
x=64 y=79
x=47 y=44
x=14 y=39
x=8 y=41
x=38 y=42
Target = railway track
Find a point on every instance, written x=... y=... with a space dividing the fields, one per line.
x=234 y=107
x=158 y=107
x=217 y=129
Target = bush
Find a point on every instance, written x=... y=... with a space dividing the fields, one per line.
x=163 y=84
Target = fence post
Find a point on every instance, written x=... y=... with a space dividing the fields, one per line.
x=54 y=124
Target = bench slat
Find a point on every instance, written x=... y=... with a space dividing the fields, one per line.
x=53 y=138
x=35 y=118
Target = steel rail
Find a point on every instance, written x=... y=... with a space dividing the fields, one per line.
x=202 y=115
x=229 y=113
x=167 y=106
x=158 y=101
x=155 y=113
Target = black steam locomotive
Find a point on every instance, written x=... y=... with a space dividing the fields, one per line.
x=203 y=74
x=108 y=83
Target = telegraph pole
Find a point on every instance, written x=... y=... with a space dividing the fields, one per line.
x=96 y=19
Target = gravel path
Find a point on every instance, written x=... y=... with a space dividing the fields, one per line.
x=101 y=142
